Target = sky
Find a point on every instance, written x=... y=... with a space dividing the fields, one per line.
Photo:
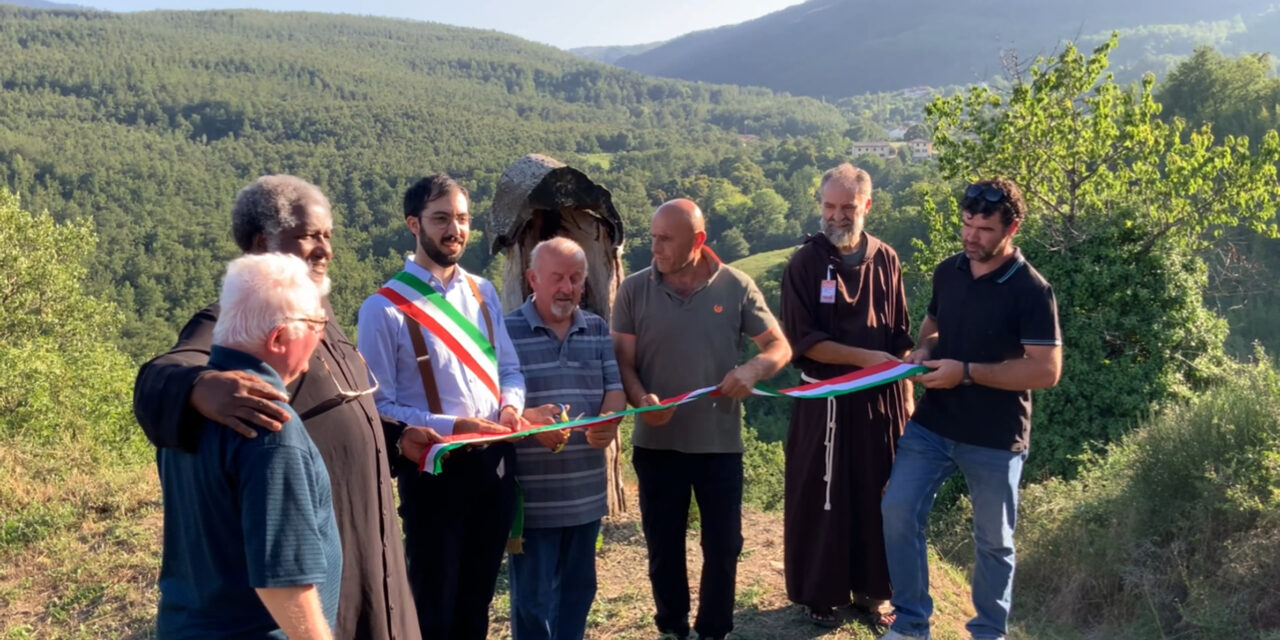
x=561 y=23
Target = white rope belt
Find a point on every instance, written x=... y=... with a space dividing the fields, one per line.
x=829 y=441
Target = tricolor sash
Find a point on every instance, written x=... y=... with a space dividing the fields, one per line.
x=420 y=301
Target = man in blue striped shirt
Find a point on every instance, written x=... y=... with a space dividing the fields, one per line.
x=566 y=357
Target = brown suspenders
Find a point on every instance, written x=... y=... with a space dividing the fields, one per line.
x=484 y=308
x=425 y=370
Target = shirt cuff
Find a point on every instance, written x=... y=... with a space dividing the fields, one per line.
x=443 y=424
x=513 y=397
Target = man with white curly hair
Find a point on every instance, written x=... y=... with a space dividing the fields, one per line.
x=251 y=543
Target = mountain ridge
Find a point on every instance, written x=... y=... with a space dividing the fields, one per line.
x=811 y=48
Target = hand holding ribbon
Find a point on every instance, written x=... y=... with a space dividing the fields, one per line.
x=867 y=378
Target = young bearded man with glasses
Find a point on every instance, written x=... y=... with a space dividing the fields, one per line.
x=178 y=394
x=991 y=336
x=435 y=339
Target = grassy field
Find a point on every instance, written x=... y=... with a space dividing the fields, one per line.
x=80 y=551
x=756 y=265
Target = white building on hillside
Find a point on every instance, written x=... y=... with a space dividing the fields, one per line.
x=879 y=149
x=920 y=149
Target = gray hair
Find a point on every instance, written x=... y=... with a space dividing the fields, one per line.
x=266 y=207
x=261 y=292
x=558 y=245
x=850 y=177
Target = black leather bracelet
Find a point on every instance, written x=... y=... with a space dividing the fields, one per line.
x=968 y=379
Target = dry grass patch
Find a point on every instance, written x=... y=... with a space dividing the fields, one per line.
x=81 y=552
x=79 y=544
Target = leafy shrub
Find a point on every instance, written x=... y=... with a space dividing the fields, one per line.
x=1174 y=529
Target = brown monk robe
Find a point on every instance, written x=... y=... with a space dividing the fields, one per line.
x=375 y=602
x=834 y=544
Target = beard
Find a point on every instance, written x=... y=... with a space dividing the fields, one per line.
x=322 y=283
x=563 y=309
x=978 y=253
x=843 y=238
x=436 y=253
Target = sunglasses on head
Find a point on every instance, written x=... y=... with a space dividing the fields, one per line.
x=986 y=192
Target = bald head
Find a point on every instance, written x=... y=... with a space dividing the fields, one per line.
x=557 y=247
x=682 y=212
x=678 y=232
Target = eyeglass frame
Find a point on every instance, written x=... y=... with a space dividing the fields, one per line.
x=321 y=320
x=345 y=396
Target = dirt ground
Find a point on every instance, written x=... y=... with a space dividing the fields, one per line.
x=623 y=609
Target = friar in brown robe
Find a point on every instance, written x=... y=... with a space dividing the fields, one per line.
x=840 y=307
x=339 y=414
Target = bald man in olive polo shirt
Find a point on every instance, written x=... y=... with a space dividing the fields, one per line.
x=679 y=326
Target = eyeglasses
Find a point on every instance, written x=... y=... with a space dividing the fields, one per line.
x=986 y=192
x=345 y=395
x=315 y=323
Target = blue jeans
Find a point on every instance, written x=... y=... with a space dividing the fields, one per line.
x=924 y=461
x=553 y=582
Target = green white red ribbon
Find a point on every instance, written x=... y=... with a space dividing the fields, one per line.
x=881 y=374
x=459 y=335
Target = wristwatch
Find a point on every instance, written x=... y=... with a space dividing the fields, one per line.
x=968 y=379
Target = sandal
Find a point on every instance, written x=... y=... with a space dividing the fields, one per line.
x=883 y=620
x=878 y=612
x=822 y=616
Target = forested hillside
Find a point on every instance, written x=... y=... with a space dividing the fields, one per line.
x=147 y=124
x=839 y=48
x=134 y=133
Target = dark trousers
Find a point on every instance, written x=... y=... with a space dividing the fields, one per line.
x=666 y=479
x=456 y=527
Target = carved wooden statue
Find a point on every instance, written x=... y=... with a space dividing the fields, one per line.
x=538 y=198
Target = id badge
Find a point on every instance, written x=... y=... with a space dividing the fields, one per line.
x=828 y=292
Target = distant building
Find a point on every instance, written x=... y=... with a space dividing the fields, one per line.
x=878 y=149
x=920 y=149
x=748 y=138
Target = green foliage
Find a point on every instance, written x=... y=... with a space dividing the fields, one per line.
x=1173 y=531
x=58 y=377
x=144 y=126
x=763 y=467
x=1238 y=96
x=1121 y=203
x=1088 y=151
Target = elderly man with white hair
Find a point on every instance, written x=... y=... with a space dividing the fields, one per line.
x=251 y=545
x=566 y=356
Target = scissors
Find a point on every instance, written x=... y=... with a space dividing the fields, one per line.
x=564 y=417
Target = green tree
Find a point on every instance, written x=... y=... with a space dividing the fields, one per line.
x=918 y=131
x=731 y=246
x=1121 y=202
x=1235 y=95
x=61 y=378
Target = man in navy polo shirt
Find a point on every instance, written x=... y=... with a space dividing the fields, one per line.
x=251 y=545
x=991 y=336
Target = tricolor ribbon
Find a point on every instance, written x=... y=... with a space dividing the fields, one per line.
x=881 y=374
